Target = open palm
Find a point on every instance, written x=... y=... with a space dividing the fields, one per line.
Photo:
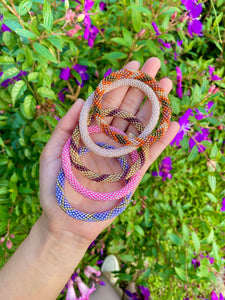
x=126 y=98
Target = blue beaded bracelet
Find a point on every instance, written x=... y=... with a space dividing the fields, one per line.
x=90 y=217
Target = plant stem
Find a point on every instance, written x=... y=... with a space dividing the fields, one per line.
x=16 y=14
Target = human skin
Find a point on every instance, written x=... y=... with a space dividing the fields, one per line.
x=45 y=260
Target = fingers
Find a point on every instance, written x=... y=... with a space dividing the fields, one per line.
x=157 y=148
x=145 y=111
x=134 y=96
x=114 y=98
x=63 y=131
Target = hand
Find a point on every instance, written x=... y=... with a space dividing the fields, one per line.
x=126 y=98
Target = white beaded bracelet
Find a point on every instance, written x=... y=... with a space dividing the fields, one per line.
x=83 y=121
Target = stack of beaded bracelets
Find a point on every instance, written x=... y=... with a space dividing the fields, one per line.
x=92 y=112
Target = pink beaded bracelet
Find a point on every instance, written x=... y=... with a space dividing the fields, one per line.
x=115 y=195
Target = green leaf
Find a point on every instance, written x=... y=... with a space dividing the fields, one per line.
x=136 y=20
x=44 y=52
x=12 y=24
x=56 y=41
x=146 y=215
x=206 y=143
x=127 y=257
x=139 y=230
x=203 y=271
x=76 y=75
x=146 y=274
x=25 y=33
x=216 y=251
x=175 y=239
x=196 y=242
x=214 y=151
x=212 y=121
x=6 y=60
x=170 y=11
x=18 y=90
x=120 y=41
x=114 y=55
x=52 y=121
x=9 y=73
x=33 y=76
x=47 y=15
x=127 y=36
x=29 y=106
x=41 y=137
x=185 y=232
x=211 y=197
x=212 y=182
x=196 y=94
x=211 y=236
x=2 y=142
x=61 y=111
x=46 y=93
x=193 y=154
x=175 y=103
x=140 y=8
x=185 y=143
x=124 y=276
x=24 y=7
x=181 y=273
x=165 y=23
x=29 y=56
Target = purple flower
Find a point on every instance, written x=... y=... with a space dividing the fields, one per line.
x=145 y=292
x=93 y=32
x=82 y=71
x=215 y=297
x=87 y=24
x=5 y=28
x=211 y=76
x=108 y=72
x=155 y=27
x=223 y=205
x=179 y=43
x=195 y=262
x=175 y=55
x=99 y=262
x=200 y=115
x=57 y=118
x=211 y=260
x=84 y=290
x=133 y=296
x=70 y=294
x=184 y=127
x=199 y=137
x=12 y=80
x=61 y=94
x=65 y=73
x=88 y=271
x=179 y=82
x=90 y=32
x=102 y=5
x=194 y=25
x=166 y=45
x=165 y=167
x=88 y=4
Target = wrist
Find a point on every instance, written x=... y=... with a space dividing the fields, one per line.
x=47 y=257
x=53 y=230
